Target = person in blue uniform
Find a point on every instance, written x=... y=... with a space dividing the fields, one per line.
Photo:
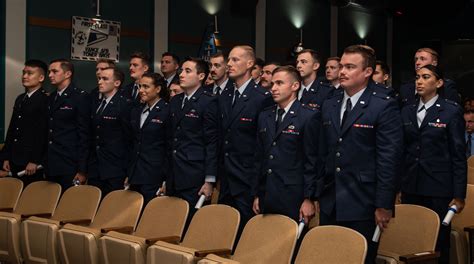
x=194 y=124
x=100 y=65
x=25 y=143
x=313 y=91
x=425 y=56
x=218 y=73
x=361 y=144
x=435 y=167
x=240 y=108
x=151 y=137
x=287 y=151
x=111 y=134
x=68 y=127
x=139 y=64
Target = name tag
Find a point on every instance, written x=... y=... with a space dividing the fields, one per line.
x=438 y=125
x=246 y=119
x=362 y=126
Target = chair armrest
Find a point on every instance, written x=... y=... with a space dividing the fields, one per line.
x=6 y=209
x=470 y=232
x=43 y=215
x=169 y=239
x=422 y=257
x=76 y=221
x=121 y=229
x=219 y=251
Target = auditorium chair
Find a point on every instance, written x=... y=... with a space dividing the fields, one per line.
x=78 y=205
x=460 y=226
x=265 y=239
x=332 y=244
x=213 y=228
x=38 y=199
x=163 y=219
x=10 y=190
x=410 y=237
x=118 y=211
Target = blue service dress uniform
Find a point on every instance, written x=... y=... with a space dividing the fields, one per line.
x=194 y=144
x=110 y=144
x=68 y=135
x=149 y=164
x=26 y=135
x=316 y=94
x=435 y=167
x=361 y=162
x=239 y=143
x=287 y=159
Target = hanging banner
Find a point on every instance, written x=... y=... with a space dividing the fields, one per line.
x=94 y=39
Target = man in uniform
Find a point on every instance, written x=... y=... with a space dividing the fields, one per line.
x=361 y=143
x=218 y=73
x=111 y=134
x=68 y=134
x=194 y=127
x=332 y=71
x=240 y=108
x=25 y=143
x=313 y=92
x=287 y=151
x=138 y=65
x=266 y=80
x=169 y=67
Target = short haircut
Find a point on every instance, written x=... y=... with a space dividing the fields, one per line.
x=334 y=58
x=66 y=65
x=383 y=66
x=118 y=74
x=313 y=53
x=430 y=51
x=143 y=56
x=201 y=66
x=259 y=62
x=292 y=71
x=272 y=63
x=219 y=54
x=248 y=50
x=435 y=70
x=109 y=62
x=366 y=52
x=159 y=81
x=38 y=64
x=172 y=55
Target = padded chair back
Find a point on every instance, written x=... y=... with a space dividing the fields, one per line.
x=267 y=238
x=119 y=208
x=470 y=174
x=466 y=217
x=332 y=244
x=470 y=161
x=163 y=216
x=414 y=229
x=213 y=226
x=39 y=197
x=78 y=202
x=10 y=190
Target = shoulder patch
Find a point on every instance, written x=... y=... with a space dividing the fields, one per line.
x=451 y=102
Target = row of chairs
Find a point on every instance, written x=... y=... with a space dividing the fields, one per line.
x=73 y=232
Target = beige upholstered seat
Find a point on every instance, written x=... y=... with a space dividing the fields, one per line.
x=119 y=210
x=39 y=235
x=470 y=174
x=470 y=161
x=163 y=218
x=414 y=230
x=459 y=239
x=332 y=244
x=40 y=199
x=10 y=190
x=212 y=227
x=265 y=239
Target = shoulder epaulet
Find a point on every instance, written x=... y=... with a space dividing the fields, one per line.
x=271 y=107
x=209 y=93
x=262 y=90
x=381 y=95
x=451 y=102
x=321 y=83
